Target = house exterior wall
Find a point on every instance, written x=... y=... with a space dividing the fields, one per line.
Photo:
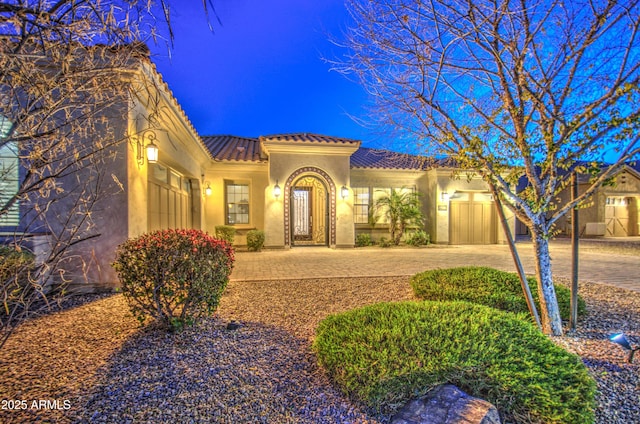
x=455 y=186
x=216 y=175
x=332 y=170
x=390 y=178
x=88 y=267
x=122 y=209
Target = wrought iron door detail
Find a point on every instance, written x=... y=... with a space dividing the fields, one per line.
x=324 y=224
x=302 y=217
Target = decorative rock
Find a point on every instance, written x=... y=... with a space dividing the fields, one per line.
x=233 y=325
x=447 y=404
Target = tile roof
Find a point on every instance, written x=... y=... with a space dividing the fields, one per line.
x=232 y=148
x=308 y=138
x=366 y=158
x=245 y=149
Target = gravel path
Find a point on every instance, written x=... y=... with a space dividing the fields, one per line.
x=107 y=369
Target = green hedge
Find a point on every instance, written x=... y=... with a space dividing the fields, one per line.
x=486 y=286
x=388 y=353
x=255 y=240
x=226 y=233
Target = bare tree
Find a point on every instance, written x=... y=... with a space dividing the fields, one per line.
x=65 y=68
x=533 y=88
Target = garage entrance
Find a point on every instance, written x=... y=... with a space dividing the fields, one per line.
x=621 y=216
x=170 y=199
x=472 y=219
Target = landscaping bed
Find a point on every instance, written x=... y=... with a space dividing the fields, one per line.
x=96 y=356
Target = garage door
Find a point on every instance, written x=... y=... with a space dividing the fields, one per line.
x=169 y=201
x=472 y=219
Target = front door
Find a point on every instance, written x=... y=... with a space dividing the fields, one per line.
x=309 y=212
x=302 y=217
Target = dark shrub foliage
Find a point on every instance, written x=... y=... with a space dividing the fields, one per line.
x=15 y=266
x=255 y=240
x=363 y=239
x=226 y=233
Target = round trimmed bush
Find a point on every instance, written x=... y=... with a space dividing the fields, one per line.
x=255 y=240
x=386 y=354
x=486 y=286
x=173 y=276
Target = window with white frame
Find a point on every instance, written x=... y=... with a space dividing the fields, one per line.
x=237 y=203
x=9 y=177
x=361 y=205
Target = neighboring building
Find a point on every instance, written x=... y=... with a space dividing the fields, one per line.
x=612 y=211
x=301 y=189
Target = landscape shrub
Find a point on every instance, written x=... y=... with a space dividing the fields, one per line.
x=486 y=286
x=226 y=233
x=255 y=240
x=418 y=238
x=363 y=240
x=14 y=276
x=173 y=276
x=386 y=354
x=383 y=242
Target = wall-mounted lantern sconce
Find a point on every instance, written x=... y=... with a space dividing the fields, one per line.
x=344 y=192
x=444 y=196
x=151 y=148
x=208 y=190
x=276 y=190
x=622 y=340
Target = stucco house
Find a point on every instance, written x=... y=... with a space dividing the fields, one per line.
x=300 y=189
x=612 y=211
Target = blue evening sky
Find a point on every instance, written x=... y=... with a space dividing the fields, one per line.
x=262 y=71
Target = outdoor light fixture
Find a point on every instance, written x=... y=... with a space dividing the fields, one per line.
x=622 y=340
x=208 y=190
x=344 y=192
x=444 y=196
x=152 y=152
x=151 y=148
x=276 y=190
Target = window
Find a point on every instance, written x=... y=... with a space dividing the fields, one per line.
x=361 y=205
x=9 y=181
x=237 y=203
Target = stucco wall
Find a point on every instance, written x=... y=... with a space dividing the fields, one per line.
x=453 y=185
x=254 y=174
x=332 y=169
x=386 y=178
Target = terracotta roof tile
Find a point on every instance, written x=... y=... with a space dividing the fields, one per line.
x=232 y=148
x=308 y=138
x=365 y=158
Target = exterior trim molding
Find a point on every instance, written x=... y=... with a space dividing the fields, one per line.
x=318 y=173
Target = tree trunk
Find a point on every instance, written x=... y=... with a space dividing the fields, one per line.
x=549 y=310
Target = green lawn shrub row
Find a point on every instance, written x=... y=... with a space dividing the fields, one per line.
x=486 y=286
x=388 y=353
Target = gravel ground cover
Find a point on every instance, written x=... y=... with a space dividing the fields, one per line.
x=95 y=357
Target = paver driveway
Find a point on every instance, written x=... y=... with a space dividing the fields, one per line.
x=596 y=265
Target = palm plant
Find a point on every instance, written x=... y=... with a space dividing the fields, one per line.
x=401 y=208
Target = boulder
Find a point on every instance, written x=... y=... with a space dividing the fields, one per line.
x=447 y=404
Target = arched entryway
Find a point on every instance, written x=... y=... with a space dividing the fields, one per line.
x=310 y=211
